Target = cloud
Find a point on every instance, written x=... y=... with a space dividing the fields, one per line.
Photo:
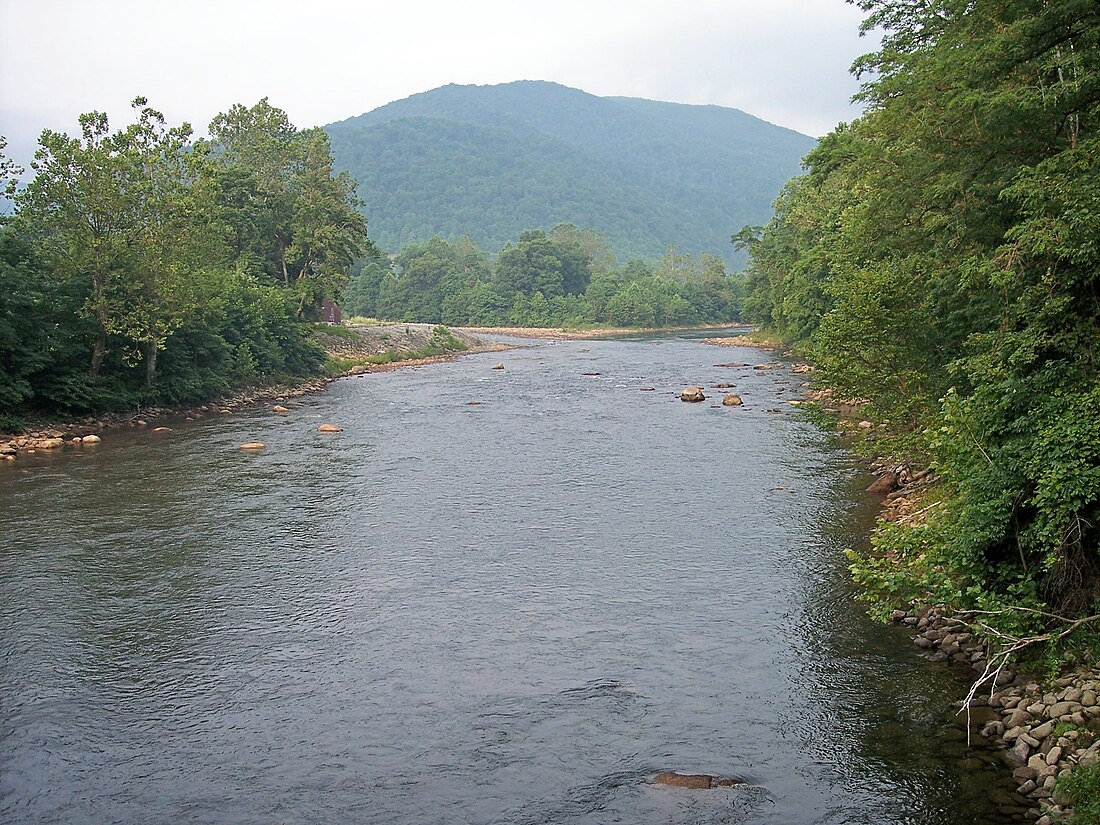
x=326 y=60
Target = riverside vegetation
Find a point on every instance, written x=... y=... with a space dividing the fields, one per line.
x=143 y=268
x=939 y=261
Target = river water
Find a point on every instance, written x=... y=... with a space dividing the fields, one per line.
x=509 y=612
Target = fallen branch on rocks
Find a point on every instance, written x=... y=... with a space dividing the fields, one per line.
x=1011 y=645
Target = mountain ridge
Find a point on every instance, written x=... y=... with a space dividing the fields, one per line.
x=492 y=161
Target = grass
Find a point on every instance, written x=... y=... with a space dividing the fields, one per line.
x=1082 y=789
x=441 y=342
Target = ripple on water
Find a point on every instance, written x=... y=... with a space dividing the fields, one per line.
x=517 y=612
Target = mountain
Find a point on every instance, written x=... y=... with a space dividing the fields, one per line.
x=493 y=161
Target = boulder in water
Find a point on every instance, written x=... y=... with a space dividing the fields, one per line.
x=732 y=399
x=692 y=394
x=699 y=781
x=329 y=428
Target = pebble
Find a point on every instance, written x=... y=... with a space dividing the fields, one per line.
x=1024 y=715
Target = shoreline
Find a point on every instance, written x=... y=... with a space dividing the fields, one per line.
x=53 y=435
x=1043 y=725
x=590 y=334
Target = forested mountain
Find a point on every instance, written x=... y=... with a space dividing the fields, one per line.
x=493 y=161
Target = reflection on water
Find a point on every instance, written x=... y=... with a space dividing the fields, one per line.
x=512 y=612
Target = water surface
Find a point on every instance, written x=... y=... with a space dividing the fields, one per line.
x=509 y=612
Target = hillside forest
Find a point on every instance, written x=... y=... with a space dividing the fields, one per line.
x=491 y=162
x=939 y=259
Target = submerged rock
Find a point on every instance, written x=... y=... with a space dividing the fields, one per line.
x=253 y=445
x=329 y=428
x=732 y=399
x=699 y=781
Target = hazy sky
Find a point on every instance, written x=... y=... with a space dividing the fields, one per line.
x=324 y=60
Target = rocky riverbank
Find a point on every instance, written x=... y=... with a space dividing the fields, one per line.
x=1043 y=727
x=391 y=346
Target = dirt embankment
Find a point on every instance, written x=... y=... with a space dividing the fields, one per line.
x=361 y=342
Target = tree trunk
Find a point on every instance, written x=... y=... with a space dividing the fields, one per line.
x=99 y=350
x=150 y=362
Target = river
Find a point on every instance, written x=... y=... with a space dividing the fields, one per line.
x=515 y=611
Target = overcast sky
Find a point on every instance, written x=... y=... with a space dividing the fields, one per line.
x=785 y=61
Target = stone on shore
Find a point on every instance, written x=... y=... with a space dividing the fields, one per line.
x=884 y=484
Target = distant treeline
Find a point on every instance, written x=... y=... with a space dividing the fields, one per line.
x=141 y=267
x=564 y=277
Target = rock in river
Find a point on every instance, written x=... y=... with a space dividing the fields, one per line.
x=700 y=781
x=329 y=428
x=692 y=394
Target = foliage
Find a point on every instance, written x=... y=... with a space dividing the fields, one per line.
x=493 y=161
x=140 y=267
x=560 y=278
x=940 y=259
x=291 y=218
x=1082 y=788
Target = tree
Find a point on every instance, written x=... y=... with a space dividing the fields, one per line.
x=940 y=258
x=292 y=219
x=121 y=215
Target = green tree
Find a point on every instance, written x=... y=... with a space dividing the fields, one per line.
x=121 y=215
x=940 y=258
x=291 y=218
